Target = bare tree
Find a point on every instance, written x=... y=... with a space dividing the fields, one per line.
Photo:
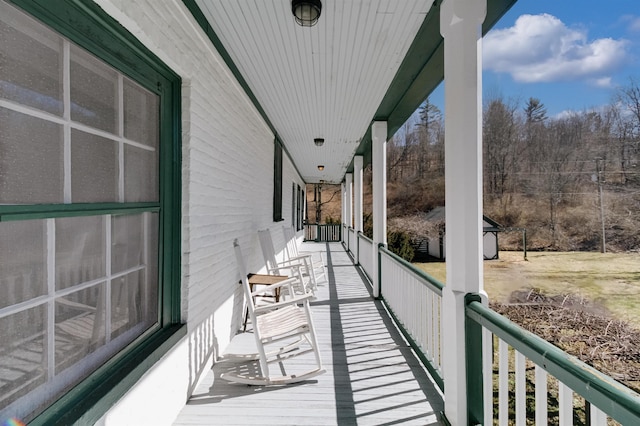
x=501 y=146
x=627 y=127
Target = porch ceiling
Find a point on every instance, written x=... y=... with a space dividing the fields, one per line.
x=364 y=60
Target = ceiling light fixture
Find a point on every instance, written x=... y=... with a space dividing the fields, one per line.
x=321 y=167
x=306 y=12
x=318 y=141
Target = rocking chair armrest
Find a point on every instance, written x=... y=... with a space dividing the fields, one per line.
x=274 y=306
x=295 y=269
x=270 y=287
x=302 y=257
x=292 y=263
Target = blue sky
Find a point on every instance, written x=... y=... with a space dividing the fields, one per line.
x=570 y=54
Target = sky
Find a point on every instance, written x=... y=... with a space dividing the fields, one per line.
x=570 y=54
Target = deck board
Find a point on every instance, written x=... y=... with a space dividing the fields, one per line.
x=372 y=374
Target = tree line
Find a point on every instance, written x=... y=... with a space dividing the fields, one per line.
x=570 y=180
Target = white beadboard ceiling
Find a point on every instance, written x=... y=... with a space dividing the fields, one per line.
x=330 y=80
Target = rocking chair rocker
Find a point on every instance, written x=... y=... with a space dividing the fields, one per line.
x=287 y=325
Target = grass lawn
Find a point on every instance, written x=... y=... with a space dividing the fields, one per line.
x=610 y=279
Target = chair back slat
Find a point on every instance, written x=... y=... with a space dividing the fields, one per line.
x=292 y=244
x=244 y=279
x=268 y=252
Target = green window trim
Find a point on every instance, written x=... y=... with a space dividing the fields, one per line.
x=86 y=24
x=277 y=181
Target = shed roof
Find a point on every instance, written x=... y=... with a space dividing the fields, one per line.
x=438 y=214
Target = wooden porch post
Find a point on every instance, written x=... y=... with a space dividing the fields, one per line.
x=379 y=178
x=460 y=26
x=357 y=201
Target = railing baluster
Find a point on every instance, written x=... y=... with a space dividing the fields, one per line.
x=521 y=390
x=598 y=418
x=503 y=383
x=415 y=303
x=541 y=396
x=487 y=374
x=565 y=400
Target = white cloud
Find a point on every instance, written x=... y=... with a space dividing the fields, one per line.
x=541 y=48
x=632 y=22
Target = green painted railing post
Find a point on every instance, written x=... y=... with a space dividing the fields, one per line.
x=473 y=353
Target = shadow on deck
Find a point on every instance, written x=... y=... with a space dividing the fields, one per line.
x=372 y=376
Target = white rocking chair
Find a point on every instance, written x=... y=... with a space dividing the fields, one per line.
x=286 y=324
x=318 y=268
x=295 y=268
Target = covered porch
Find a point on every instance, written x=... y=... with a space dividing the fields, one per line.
x=373 y=375
x=250 y=107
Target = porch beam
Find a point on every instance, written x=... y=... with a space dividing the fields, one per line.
x=379 y=183
x=461 y=28
x=358 y=162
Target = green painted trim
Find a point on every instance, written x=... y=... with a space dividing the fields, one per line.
x=86 y=24
x=433 y=284
x=615 y=399
x=28 y=212
x=85 y=404
x=432 y=371
x=473 y=356
x=213 y=37
x=421 y=71
x=217 y=44
x=170 y=243
x=277 y=182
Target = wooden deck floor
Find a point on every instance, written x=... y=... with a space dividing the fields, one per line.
x=372 y=376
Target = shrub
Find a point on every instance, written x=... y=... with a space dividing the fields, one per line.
x=400 y=243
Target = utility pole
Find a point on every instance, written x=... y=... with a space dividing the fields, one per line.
x=599 y=178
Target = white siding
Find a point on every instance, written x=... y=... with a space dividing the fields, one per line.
x=227 y=193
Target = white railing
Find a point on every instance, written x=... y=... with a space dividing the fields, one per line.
x=415 y=301
x=365 y=255
x=352 y=240
x=524 y=368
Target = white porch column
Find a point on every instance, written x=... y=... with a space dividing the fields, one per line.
x=357 y=201
x=343 y=207
x=348 y=205
x=460 y=25
x=379 y=183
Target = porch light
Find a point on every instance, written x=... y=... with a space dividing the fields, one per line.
x=321 y=167
x=318 y=141
x=306 y=12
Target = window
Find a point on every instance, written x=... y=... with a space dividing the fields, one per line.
x=277 y=181
x=83 y=205
x=294 y=206
x=300 y=202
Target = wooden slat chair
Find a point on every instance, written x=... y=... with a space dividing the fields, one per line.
x=286 y=324
x=317 y=268
x=293 y=268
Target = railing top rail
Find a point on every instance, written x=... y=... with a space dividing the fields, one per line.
x=435 y=285
x=364 y=237
x=615 y=399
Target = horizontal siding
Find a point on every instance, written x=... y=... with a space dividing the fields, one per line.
x=227 y=193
